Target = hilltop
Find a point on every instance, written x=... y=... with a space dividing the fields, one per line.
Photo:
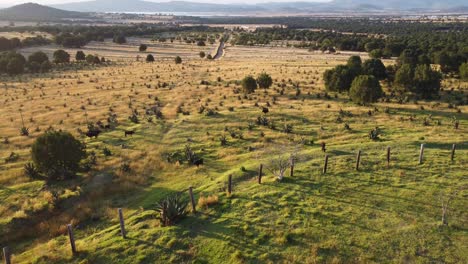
x=36 y=12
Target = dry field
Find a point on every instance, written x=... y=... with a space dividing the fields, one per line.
x=378 y=214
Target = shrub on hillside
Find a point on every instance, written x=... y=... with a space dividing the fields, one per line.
x=264 y=81
x=57 y=154
x=249 y=84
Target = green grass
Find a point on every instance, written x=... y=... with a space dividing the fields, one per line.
x=375 y=215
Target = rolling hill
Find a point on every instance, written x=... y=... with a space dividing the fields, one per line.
x=36 y=12
x=278 y=7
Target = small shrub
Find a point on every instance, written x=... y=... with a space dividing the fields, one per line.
x=205 y=202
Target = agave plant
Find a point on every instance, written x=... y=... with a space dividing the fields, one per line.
x=31 y=171
x=24 y=131
x=171 y=210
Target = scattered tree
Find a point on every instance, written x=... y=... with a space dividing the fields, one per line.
x=143 y=48
x=376 y=68
x=149 y=58
x=61 y=56
x=178 y=60
x=57 y=154
x=365 y=89
x=249 y=85
x=80 y=56
x=264 y=80
x=39 y=57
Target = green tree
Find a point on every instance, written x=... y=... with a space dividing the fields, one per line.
x=376 y=68
x=57 y=154
x=46 y=66
x=39 y=57
x=89 y=58
x=178 y=60
x=80 y=56
x=61 y=56
x=404 y=77
x=34 y=67
x=15 y=66
x=202 y=54
x=143 y=47
x=264 y=80
x=426 y=82
x=365 y=89
x=338 y=79
x=149 y=58
x=408 y=57
x=464 y=71
x=119 y=39
x=355 y=65
x=376 y=54
x=249 y=85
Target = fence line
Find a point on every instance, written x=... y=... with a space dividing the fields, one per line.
x=123 y=232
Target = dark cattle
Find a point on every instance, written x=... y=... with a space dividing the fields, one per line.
x=324 y=149
x=93 y=133
x=198 y=162
x=265 y=110
x=129 y=133
x=107 y=127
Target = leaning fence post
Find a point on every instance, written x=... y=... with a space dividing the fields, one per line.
x=388 y=156
x=452 y=156
x=292 y=170
x=230 y=184
x=260 y=174
x=122 y=224
x=72 y=238
x=192 y=200
x=421 y=154
x=7 y=255
x=325 y=165
x=358 y=159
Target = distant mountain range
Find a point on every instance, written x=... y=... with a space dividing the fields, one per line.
x=278 y=7
x=36 y=12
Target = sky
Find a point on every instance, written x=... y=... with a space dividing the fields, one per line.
x=5 y=3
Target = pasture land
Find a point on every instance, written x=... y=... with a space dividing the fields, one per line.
x=378 y=214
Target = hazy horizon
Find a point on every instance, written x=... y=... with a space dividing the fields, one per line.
x=6 y=3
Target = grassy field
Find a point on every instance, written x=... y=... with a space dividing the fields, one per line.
x=378 y=214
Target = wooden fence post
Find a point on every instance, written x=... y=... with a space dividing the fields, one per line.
x=230 y=184
x=388 y=156
x=421 y=154
x=122 y=224
x=292 y=170
x=72 y=238
x=452 y=156
x=260 y=174
x=7 y=255
x=192 y=200
x=325 y=165
x=358 y=159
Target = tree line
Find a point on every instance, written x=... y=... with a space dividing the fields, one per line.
x=14 y=63
x=15 y=43
x=362 y=79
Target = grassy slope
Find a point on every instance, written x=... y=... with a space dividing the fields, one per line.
x=378 y=214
